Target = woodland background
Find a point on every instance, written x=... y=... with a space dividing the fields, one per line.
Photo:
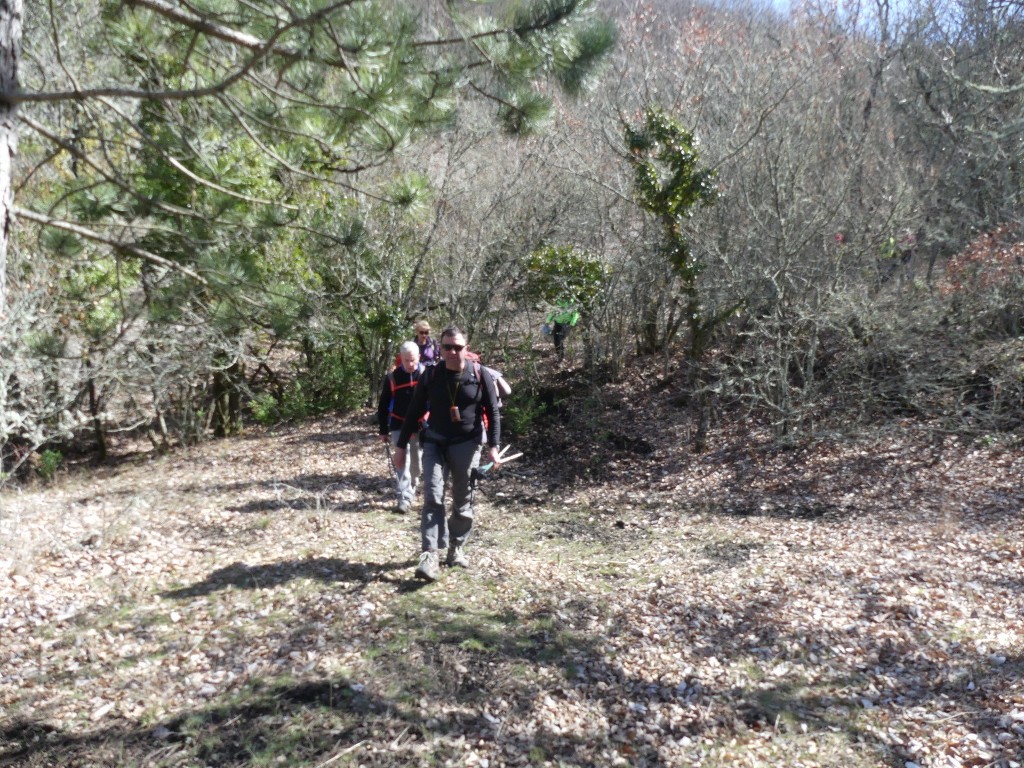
x=810 y=215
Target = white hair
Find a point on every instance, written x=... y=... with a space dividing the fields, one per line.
x=410 y=346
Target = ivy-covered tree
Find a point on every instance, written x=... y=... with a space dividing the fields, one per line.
x=670 y=183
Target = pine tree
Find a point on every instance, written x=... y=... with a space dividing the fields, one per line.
x=191 y=145
x=321 y=89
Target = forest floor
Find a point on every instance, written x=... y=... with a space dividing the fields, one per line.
x=850 y=602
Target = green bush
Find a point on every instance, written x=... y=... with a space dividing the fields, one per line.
x=334 y=382
x=49 y=463
x=264 y=409
x=519 y=414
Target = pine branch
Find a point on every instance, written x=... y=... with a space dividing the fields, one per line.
x=85 y=157
x=125 y=248
x=261 y=50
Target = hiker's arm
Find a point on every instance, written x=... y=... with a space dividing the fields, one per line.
x=382 y=409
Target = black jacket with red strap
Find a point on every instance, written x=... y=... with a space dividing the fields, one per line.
x=395 y=397
x=471 y=392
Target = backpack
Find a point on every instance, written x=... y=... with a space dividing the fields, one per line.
x=503 y=388
x=500 y=384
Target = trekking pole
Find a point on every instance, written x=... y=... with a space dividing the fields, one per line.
x=502 y=458
x=391 y=461
x=477 y=473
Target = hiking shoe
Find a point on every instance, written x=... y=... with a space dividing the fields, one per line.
x=402 y=507
x=428 y=568
x=456 y=557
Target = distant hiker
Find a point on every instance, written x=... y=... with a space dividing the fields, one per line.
x=399 y=385
x=430 y=350
x=560 y=320
x=457 y=395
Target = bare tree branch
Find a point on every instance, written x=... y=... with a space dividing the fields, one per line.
x=207 y=27
x=261 y=50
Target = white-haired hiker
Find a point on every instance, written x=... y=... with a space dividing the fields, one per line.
x=394 y=401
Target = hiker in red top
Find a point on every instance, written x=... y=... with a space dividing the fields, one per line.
x=394 y=402
x=456 y=395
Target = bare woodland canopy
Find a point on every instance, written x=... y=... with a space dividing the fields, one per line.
x=213 y=205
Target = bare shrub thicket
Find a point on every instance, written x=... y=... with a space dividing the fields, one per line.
x=822 y=254
x=132 y=377
x=829 y=229
x=812 y=193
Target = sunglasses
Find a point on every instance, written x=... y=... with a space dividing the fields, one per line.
x=423 y=333
x=453 y=347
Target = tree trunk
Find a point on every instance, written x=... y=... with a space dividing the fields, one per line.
x=227 y=400
x=10 y=53
x=94 y=412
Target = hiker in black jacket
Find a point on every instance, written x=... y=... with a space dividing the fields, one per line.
x=457 y=396
x=399 y=385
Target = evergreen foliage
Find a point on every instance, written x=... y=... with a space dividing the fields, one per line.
x=223 y=173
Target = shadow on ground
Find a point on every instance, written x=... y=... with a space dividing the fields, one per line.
x=323 y=569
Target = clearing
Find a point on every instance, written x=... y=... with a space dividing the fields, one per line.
x=250 y=601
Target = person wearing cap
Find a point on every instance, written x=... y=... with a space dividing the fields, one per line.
x=430 y=350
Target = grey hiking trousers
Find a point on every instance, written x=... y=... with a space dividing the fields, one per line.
x=442 y=463
x=407 y=480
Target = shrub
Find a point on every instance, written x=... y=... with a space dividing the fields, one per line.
x=49 y=463
x=985 y=282
x=264 y=408
x=519 y=414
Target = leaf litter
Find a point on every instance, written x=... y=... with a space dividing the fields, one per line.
x=251 y=602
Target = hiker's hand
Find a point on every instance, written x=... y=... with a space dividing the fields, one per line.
x=495 y=457
x=385 y=438
x=399 y=459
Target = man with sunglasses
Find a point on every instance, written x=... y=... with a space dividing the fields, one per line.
x=456 y=395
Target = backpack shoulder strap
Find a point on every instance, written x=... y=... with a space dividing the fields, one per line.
x=487 y=380
x=411 y=383
x=427 y=377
